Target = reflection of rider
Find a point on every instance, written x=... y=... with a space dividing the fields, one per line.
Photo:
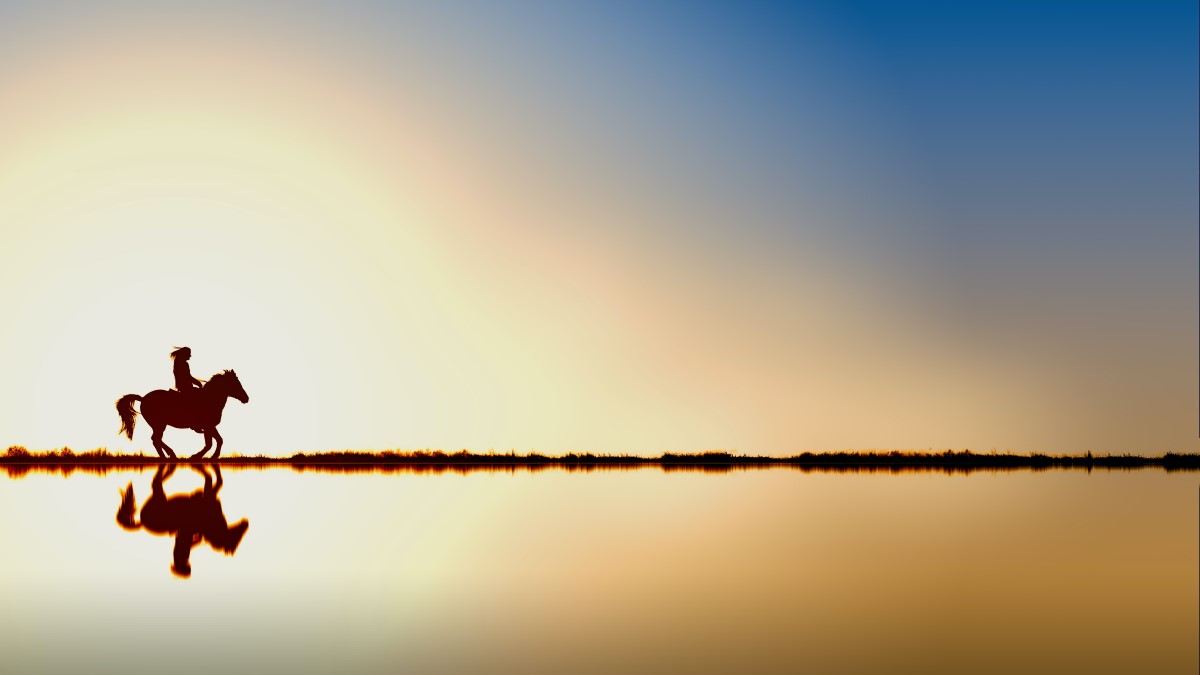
x=192 y=518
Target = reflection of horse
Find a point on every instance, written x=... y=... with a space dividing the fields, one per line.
x=192 y=518
x=199 y=411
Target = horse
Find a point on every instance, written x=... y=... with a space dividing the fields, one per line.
x=192 y=518
x=198 y=410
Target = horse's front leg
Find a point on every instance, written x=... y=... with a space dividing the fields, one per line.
x=207 y=444
x=156 y=485
x=220 y=442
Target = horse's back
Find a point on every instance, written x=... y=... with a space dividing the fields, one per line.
x=176 y=512
x=160 y=404
x=159 y=398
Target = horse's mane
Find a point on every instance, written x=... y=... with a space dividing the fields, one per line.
x=221 y=376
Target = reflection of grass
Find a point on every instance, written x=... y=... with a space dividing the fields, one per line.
x=17 y=461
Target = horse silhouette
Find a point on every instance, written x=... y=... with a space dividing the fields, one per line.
x=192 y=518
x=199 y=410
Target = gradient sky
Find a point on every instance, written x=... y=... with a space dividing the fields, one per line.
x=613 y=227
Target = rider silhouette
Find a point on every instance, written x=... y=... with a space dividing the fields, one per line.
x=184 y=381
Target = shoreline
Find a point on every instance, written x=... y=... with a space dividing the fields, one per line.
x=19 y=460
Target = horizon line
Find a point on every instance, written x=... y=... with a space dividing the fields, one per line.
x=17 y=459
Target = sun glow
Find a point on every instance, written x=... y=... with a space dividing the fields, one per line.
x=188 y=201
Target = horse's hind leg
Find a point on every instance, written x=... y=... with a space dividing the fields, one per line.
x=160 y=444
x=156 y=439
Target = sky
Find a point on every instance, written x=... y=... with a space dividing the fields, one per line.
x=611 y=227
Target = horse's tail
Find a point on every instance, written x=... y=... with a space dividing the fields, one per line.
x=125 y=514
x=127 y=413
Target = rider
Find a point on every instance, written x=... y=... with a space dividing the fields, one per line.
x=184 y=381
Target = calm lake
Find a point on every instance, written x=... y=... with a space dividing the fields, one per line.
x=607 y=571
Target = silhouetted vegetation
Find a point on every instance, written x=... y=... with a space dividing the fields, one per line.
x=18 y=461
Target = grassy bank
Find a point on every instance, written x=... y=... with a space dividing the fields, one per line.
x=17 y=459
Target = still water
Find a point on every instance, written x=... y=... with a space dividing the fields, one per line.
x=554 y=571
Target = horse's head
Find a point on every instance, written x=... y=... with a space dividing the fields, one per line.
x=231 y=386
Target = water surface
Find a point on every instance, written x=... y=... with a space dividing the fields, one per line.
x=553 y=571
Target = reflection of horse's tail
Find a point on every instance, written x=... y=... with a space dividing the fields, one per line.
x=125 y=410
x=125 y=514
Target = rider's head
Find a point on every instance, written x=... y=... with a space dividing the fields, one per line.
x=184 y=353
x=180 y=563
x=183 y=569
